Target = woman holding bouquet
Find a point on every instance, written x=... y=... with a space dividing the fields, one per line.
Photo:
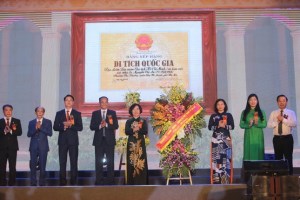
x=221 y=122
x=136 y=129
x=253 y=120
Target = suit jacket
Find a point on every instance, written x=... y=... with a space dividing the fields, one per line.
x=109 y=129
x=70 y=135
x=10 y=141
x=39 y=138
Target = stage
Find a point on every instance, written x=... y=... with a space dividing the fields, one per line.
x=121 y=192
x=157 y=188
x=264 y=187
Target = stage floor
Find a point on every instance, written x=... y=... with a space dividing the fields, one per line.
x=156 y=190
x=150 y=192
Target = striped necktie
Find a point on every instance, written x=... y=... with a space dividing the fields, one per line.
x=280 y=124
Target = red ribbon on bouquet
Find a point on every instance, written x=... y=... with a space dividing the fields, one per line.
x=173 y=130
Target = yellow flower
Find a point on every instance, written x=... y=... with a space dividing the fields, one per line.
x=131 y=98
x=121 y=145
x=147 y=141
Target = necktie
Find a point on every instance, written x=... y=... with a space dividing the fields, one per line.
x=103 y=118
x=7 y=121
x=38 y=125
x=68 y=115
x=280 y=124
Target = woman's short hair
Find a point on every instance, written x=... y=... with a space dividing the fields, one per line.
x=133 y=106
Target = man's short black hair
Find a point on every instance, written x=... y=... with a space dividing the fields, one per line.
x=68 y=95
x=282 y=95
x=7 y=105
x=103 y=97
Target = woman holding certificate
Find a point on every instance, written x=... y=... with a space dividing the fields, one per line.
x=221 y=122
x=253 y=120
x=136 y=128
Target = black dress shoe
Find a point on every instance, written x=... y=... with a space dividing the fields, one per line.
x=99 y=183
x=11 y=183
x=3 y=183
x=109 y=182
x=62 y=182
x=73 y=182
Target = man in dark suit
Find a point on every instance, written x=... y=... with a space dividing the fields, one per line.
x=38 y=130
x=10 y=128
x=68 y=122
x=104 y=122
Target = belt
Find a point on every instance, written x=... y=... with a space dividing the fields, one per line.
x=283 y=136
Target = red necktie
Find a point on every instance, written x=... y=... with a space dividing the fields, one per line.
x=7 y=121
x=68 y=115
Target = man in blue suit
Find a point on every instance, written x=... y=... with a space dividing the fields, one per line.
x=38 y=130
x=68 y=122
x=104 y=122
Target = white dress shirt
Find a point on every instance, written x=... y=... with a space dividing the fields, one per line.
x=68 y=110
x=288 y=123
x=9 y=119
x=41 y=120
x=103 y=117
x=104 y=113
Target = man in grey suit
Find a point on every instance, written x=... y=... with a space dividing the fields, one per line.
x=38 y=130
x=104 y=122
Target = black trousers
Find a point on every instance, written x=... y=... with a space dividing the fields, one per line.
x=108 y=150
x=11 y=157
x=73 y=154
x=283 y=148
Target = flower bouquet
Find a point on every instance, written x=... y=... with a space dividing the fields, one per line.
x=131 y=98
x=177 y=159
x=178 y=156
x=121 y=144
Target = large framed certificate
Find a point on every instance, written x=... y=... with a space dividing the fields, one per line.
x=144 y=51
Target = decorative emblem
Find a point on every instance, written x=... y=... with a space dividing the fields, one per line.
x=143 y=42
